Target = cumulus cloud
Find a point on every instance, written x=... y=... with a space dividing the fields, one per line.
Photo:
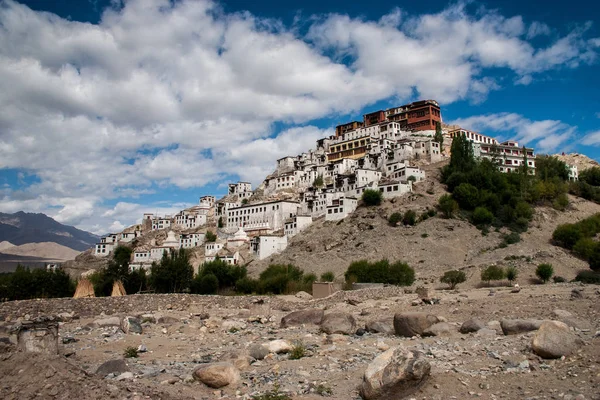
x=163 y=94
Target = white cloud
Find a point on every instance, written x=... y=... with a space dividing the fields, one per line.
x=164 y=94
x=545 y=135
x=538 y=29
x=591 y=139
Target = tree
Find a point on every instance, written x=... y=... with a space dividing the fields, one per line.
x=372 y=197
x=466 y=195
x=395 y=218
x=591 y=176
x=481 y=216
x=549 y=167
x=453 y=278
x=594 y=258
x=401 y=274
x=461 y=159
x=226 y=274
x=447 y=205
x=511 y=274
x=544 y=272
x=567 y=235
x=492 y=273
x=220 y=222
x=173 y=274
x=210 y=237
x=318 y=182
x=205 y=284
x=409 y=218
x=439 y=136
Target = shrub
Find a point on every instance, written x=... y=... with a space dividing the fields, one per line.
x=298 y=351
x=561 y=202
x=381 y=271
x=273 y=394
x=205 y=284
x=594 y=258
x=277 y=277
x=210 y=237
x=453 y=278
x=401 y=274
x=372 y=197
x=511 y=274
x=511 y=238
x=567 y=235
x=410 y=218
x=246 y=285
x=492 y=273
x=447 y=205
x=130 y=352
x=544 y=272
x=466 y=195
x=173 y=274
x=327 y=276
x=558 y=279
x=584 y=248
x=395 y=218
x=481 y=216
x=226 y=274
x=588 y=277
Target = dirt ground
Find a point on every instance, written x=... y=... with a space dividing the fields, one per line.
x=182 y=332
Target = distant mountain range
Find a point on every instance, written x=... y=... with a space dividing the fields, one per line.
x=21 y=228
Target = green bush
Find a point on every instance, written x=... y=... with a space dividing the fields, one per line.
x=591 y=277
x=567 y=235
x=544 y=272
x=226 y=274
x=327 y=276
x=448 y=206
x=372 y=197
x=210 y=237
x=492 y=273
x=584 y=248
x=594 y=258
x=466 y=195
x=561 y=202
x=453 y=278
x=409 y=218
x=205 y=284
x=558 y=279
x=395 y=218
x=130 y=352
x=511 y=274
x=24 y=284
x=246 y=285
x=481 y=216
x=277 y=278
x=173 y=274
x=363 y=271
x=298 y=351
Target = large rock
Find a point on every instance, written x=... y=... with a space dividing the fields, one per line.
x=310 y=316
x=554 y=339
x=472 y=325
x=116 y=367
x=104 y=322
x=409 y=324
x=571 y=320
x=217 y=375
x=258 y=351
x=279 y=346
x=381 y=326
x=394 y=374
x=439 y=329
x=342 y=323
x=517 y=326
x=131 y=325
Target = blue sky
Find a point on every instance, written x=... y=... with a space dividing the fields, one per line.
x=114 y=108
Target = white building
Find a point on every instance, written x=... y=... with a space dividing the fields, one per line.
x=208 y=200
x=268 y=217
x=264 y=246
x=297 y=224
x=159 y=223
x=394 y=189
x=106 y=245
x=229 y=257
x=212 y=248
x=242 y=190
x=340 y=208
x=238 y=239
x=573 y=173
x=473 y=136
x=509 y=156
x=189 y=240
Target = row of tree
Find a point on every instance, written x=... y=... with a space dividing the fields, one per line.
x=25 y=283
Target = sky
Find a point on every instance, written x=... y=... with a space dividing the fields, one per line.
x=111 y=108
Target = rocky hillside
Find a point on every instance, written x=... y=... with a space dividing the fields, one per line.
x=582 y=161
x=21 y=228
x=433 y=246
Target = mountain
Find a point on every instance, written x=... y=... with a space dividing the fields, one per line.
x=21 y=228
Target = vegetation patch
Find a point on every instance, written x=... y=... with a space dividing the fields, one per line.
x=363 y=271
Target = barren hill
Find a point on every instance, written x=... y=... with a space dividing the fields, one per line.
x=582 y=161
x=45 y=250
x=433 y=246
x=5 y=245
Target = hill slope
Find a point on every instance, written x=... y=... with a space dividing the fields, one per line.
x=433 y=246
x=46 y=250
x=21 y=228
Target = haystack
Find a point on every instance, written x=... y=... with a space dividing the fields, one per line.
x=84 y=289
x=118 y=289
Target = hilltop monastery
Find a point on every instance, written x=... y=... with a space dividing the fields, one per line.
x=382 y=152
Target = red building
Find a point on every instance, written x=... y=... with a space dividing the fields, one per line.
x=418 y=116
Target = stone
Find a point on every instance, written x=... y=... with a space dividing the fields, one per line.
x=439 y=329
x=394 y=374
x=360 y=332
x=38 y=336
x=409 y=324
x=341 y=323
x=217 y=375
x=279 y=346
x=233 y=325
x=571 y=320
x=167 y=320
x=577 y=293
x=310 y=316
x=112 y=367
x=517 y=326
x=105 y=322
x=472 y=325
x=554 y=339
x=124 y=376
x=131 y=325
x=485 y=332
x=495 y=325
x=558 y=314
x=385 y=326
x=142 y=348
x=304 y=295
x=258 y=351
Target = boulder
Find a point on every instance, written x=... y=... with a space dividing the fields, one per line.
x=258 y=351
x=381 y=326
x=233 y=325
x=342 y=323
x=131 y=325
x=304 y=295
x=571 y=320
x=217 y=375
x=112 y=367
x=517 y=326
x=409 y=324
x=472 y=325
x=394 y=374
x=279 y=346
x=310 y=316
x=439 y=329
x=554 y=339
x=104 y=322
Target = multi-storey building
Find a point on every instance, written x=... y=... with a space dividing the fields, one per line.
x=508 y=155
x=472 y=136
x=267 y=217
